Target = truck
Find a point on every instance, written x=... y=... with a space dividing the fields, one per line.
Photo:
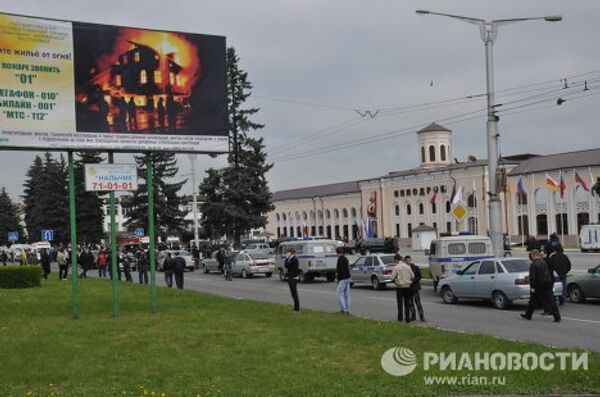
x=589 y=237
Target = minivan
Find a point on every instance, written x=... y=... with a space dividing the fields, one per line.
x=316 y=258
x=448 y=255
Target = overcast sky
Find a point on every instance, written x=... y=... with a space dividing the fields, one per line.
x=377 y=55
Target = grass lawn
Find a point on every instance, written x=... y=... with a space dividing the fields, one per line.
x=203 y=345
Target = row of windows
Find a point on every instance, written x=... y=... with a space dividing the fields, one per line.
x=561 y=223
x=304 y=216
x=432 y=154
x=581 y=196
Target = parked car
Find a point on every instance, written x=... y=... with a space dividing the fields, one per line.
x=499 y=280
x=315 y=258
x=189 y=260
x=247 y=264
x=210 y=263
x=583 y=286
x=259 y=248
x=370 y=245
x=374 y=270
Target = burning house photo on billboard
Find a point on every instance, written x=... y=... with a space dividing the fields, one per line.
x=144 y=81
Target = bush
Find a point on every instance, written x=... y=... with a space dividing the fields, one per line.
x=20 y=276
x=425 y=272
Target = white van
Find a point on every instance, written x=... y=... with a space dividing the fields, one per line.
x=589 y=238
x=448 y=255
x=316 y=258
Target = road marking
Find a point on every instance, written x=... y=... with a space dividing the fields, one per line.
x=581 y=320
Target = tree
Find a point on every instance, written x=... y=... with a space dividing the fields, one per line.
x=237 y=197
x=9 y=218
x=90 y=217
x=32 y=196
x=168 y=212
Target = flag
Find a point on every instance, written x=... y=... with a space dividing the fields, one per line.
x=592 y=181
x=551 y=184
x=458 y=197
x=579 y=181
x=521 y=187
x=562 y=186
x=433 y=198
x=304 y=231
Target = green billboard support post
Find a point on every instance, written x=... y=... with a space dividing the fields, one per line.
x=73 y=221
x=151 y=252
x=113 y=248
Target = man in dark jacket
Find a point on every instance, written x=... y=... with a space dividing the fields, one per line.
x=343 y=276
x=45 y=260
x=220 y=257
x=143 y=268
x=179 y=268
x=541 y=283
x=415 y=287
x=560 y=263
x=168 y=267
x=86 y=261
x=292 y=265
x=552 y=244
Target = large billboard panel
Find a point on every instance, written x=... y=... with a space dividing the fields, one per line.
x=72 y=85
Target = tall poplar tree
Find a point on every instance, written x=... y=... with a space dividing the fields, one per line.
x=90 y=216
x=9 y=218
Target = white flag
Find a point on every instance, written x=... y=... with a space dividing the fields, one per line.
x=458 y=197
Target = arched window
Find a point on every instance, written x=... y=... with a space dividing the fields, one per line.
x=421 y=208
x=336 y=213
x=284 y=217
x=278 y=217
x=397 y=210
x=520 y=198
x=354 y=212
x=540 y=197
x=431 y=153
x=297 y=216
x=442 y=153
x=581 y=196
x=344 y=213
x=312 y=214
x=472 y=200
x=327 y=214
x=423 y=154
x=304 y=215
x=320 y=214
x=433 y=208
x=448 y=207
x=408 y=209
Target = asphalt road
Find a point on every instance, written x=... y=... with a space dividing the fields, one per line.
x=580 y=326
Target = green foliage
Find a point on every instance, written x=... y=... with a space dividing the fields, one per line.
x=9 y=218
x=169 y=217
x=46 y=198
x=20 y=276
x=90 y=217
x=237 y=197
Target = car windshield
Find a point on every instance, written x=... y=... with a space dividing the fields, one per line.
x=516 y=266
x=258 y=256
x=388 y=259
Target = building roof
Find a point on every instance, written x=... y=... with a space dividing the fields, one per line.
x=317 y=191
x=559 y=161
x=433 y=127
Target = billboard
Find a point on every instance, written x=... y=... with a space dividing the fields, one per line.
x=110 y=177
x=72 y=85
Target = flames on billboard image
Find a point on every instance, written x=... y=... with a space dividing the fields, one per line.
x=143 y=85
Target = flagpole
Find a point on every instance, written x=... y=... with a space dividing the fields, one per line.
x=519 y=211
x=562 y=226
x=591 y=197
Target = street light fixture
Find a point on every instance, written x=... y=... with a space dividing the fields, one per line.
x=488 y=31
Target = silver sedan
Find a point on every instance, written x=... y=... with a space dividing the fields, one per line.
x=374 y=270
x=249 y=264
x=501 y=280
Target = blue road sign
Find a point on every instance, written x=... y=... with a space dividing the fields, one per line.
x=13 y=236
x=139 y=232
x=48 y=235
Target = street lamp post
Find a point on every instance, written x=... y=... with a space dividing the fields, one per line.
x=488 y=31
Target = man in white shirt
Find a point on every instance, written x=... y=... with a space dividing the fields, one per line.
x=403 y=277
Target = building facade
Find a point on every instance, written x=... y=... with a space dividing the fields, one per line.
x=397 y=203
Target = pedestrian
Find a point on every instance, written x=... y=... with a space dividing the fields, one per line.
x=415 y=288
x=292 y=265
x=142 y=268
x=86 y=260
x=102 y=263
x=179 y=268
x=552 y=244
x=342 y=272
x=168 y=267
x=559 y=262
x=126 y=260
x=32 y=257
x=23 y=258
x=3 y=257
x=62 y=259
x=228 y=265
x=403 y=277
x=45 y=261
x=541 y=282
x=220 y=257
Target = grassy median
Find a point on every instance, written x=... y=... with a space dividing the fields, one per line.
x=203 y=345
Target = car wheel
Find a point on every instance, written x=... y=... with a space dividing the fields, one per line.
x=268 y=274
x=330 y=277
x=448 y=296
x=500 y=300
x=281 y=275
x=244 y=273
x=576 y=294
x=204 y=269
x=375 y=283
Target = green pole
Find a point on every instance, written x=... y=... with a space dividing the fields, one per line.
x=151 y=254
x=73 y=220
x=113 y=248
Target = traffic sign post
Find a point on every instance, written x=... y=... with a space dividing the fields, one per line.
x=113 y=249
x=140 y=232
x=13 y=236
x=47 y=235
